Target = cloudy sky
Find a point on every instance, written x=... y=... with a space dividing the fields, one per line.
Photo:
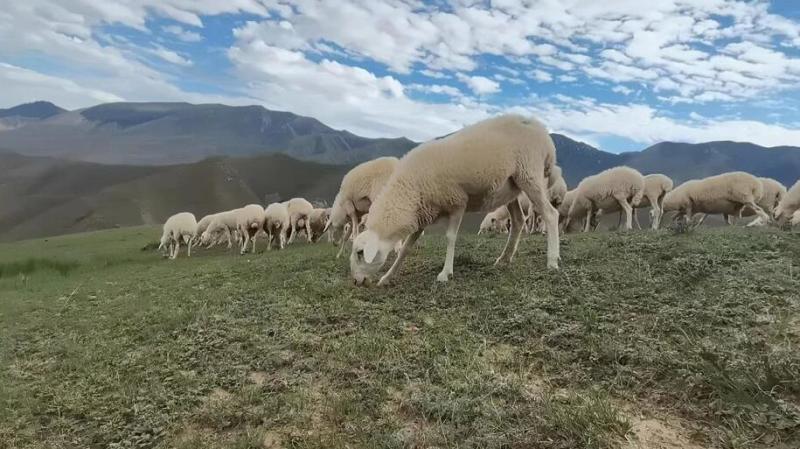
x=620 y=74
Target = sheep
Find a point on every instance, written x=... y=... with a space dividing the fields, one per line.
x=774 y=192
x=795 y=218
x=497 y=220
x=358 y=190
x=621 y=187
x=555 y=192
x=480 y=167
x=727 y=194
x=788 y=205
x=249 y=220
x=656 y=187
x=181 y=227
x=319 y=219
x=276 y=224
x=299 y=210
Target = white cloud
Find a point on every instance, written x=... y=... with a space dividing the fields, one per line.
x=622 y=90
x=541 y=75
x=18 y=82
x=480 y=84
x=182 y=33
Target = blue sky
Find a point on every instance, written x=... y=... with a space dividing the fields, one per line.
x=621 y=75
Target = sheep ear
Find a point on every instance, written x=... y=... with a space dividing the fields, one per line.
x=371 y=249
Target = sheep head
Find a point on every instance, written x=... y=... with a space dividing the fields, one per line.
x=368 y=256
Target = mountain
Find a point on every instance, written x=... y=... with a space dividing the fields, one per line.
x=41 y=196
x=683 y=161
x=37 y=109
x=25 y=114
x=170 y=133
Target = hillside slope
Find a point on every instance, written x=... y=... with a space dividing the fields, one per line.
x=44 y=196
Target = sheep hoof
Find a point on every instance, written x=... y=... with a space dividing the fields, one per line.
x=443 y=277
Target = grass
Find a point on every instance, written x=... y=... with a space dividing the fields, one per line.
x=105 y=344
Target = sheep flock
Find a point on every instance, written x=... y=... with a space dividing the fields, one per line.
x=507 y=168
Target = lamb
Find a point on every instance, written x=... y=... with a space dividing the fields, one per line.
x=727 y=194
x=788 y=205
x=181 y=227
x=276 y=224
x=621 y=187
x=774 y=192
x=480 y=167
x=497 y=220
x=299 y=209
x=556 y=191
x=656 y=187
x=319 y=219
x=358 y=190
x=249 y=220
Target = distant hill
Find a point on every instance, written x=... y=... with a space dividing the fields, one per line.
x=170 y=133
x=37 y=109
x=45 y=196
x=25 y=114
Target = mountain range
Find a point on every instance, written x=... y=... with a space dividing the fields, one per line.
x=123 y=164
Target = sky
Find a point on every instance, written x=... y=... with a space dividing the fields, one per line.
x=620 y=74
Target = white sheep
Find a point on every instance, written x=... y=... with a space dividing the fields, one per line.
x=358 y=190
x=656 y=188
x=276 y=224
x=773 y=194
x=613 y=189
x=299 y=212
x=249 y=221
x=727 y=194
x=788 y=205
x=497 y=220
x=795 y=218
x=319 y=220
x=245 y=221
x=480 y=167
x=555 y=192
x=181 y=227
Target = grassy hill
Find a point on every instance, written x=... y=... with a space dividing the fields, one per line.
x=641 y=340
x=46 y=196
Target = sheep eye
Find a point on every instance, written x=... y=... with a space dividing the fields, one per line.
x=360 y=253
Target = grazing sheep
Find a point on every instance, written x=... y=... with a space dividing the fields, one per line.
x=299 y=211
x=203 y=224
x=774 y=192
x=795 y=218
x=497 y=220
x=727 y=194
x=788 y=205
x=555 y=192
x=480 y=167
x=276 y=224
x=618 y=187
x=319 y=219
x=563 y=210
x=249 y=220
x=358 y=190
x=181 y=227
x=656 y=187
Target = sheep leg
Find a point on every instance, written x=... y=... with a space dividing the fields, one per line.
x=757 y=209
x=454 y=223
x=309 y=234
x=657 y=212
x=189 y=247
x=623 y=203
x=636 y=220
x=282 y=237
x=401 y=255
x=355 y=224
x=345 y=235
x=587 y=226
x=513 y=235
x=292 y=230
x=245 y=239
x=537 y=193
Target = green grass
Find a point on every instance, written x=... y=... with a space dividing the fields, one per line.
x=105 y=344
